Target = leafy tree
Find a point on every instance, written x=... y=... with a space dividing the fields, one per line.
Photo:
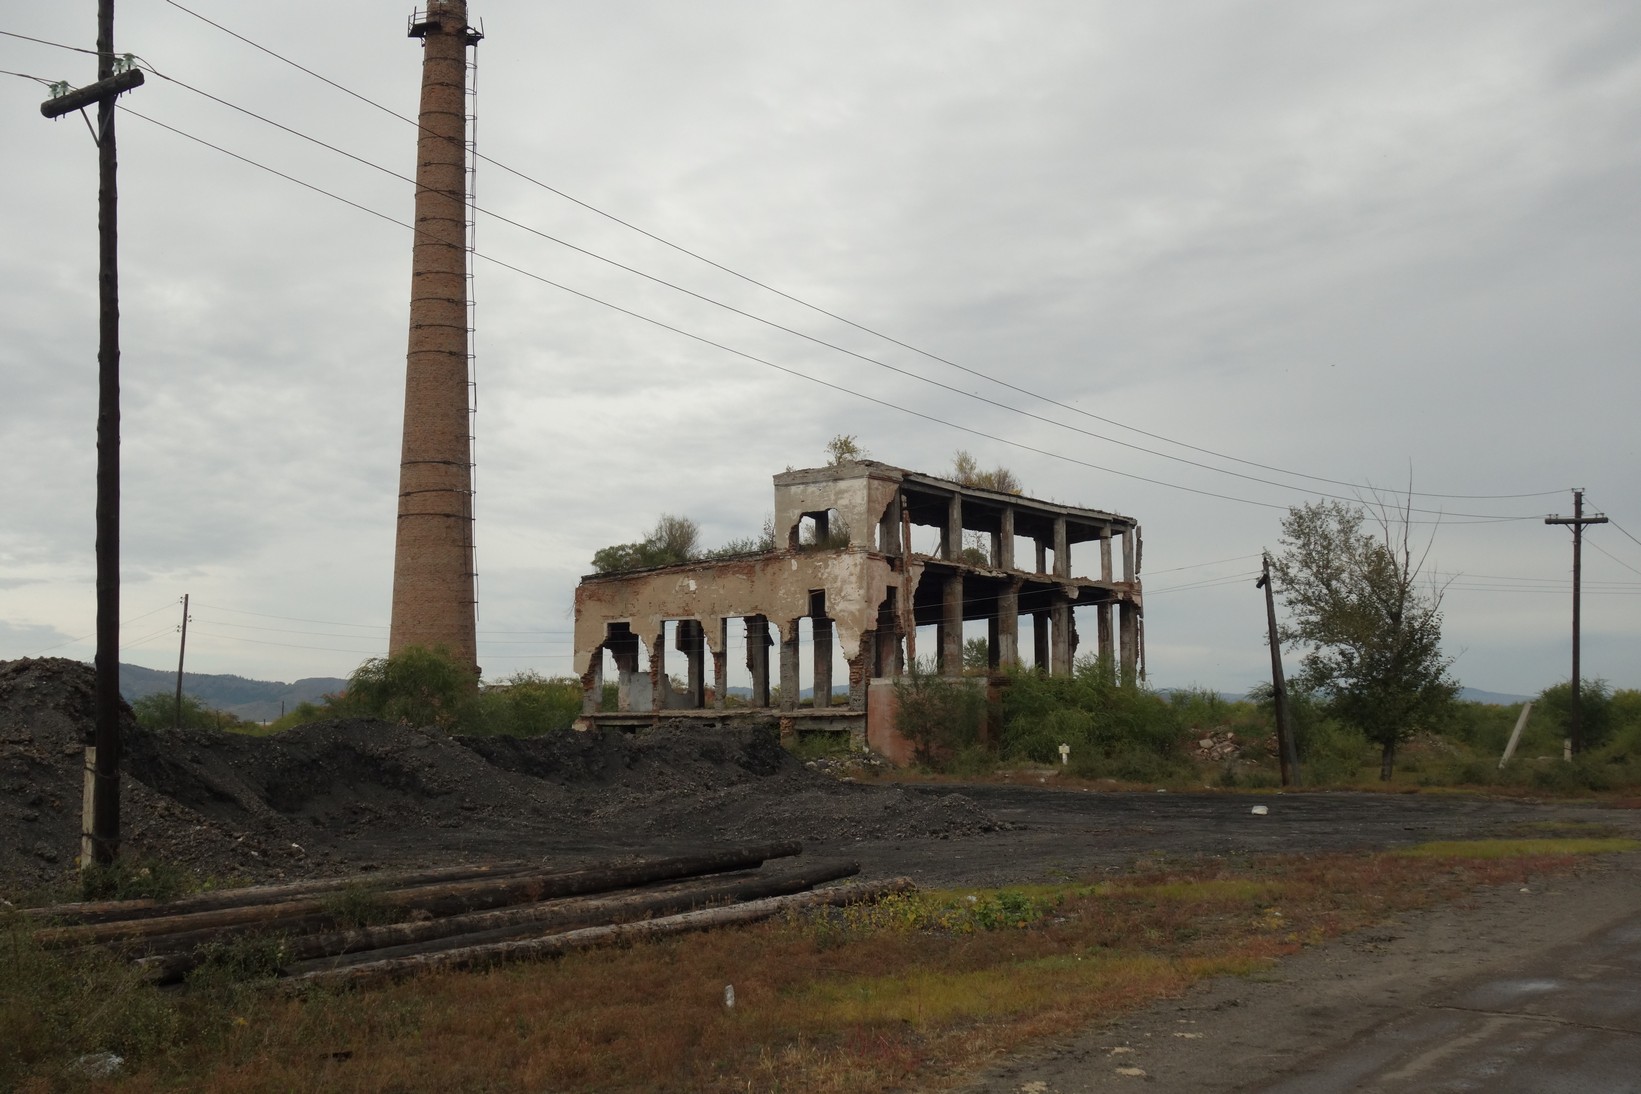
x=844 y=448
x=1372 y=634
x=966 y=470
x=159 y=711
x=1595 y=709
x=976 y=656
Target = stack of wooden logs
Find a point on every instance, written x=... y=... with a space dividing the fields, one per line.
x=341 y=931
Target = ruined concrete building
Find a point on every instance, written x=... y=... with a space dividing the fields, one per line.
x=866 y=557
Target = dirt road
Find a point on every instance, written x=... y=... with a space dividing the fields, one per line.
x=1045 y=834
x=1514 y=989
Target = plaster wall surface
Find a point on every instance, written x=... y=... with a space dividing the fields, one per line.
x=776 y=587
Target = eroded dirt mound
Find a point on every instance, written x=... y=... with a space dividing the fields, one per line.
x=352 y=793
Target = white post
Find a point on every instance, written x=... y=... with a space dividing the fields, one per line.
x=1515 y=735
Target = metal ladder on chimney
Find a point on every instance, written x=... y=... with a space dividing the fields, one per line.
x=470 y=153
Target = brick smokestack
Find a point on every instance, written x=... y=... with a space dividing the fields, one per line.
x=433 y=572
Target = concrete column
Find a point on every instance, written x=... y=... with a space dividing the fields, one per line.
x=1105 y=553
x=1102 y=617
x=1008 y=626
x=720 y=667
x=757 y=658
x=951 y=626
x=823 y=662
x=1062 y=549
x=1060 y=655
x=592 y=684
x=789 y=666
x=1005 y=540
x=660 y=686
x=1128 y=555
x=1039 y=641
x=888 y=529
x=692 y=644
x=623 y=647
x=954 y=528
x=1129 y=622
x=1042 y=557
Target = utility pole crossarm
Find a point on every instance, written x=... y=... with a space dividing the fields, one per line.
x=92 y=94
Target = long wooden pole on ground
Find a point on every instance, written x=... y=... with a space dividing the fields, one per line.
x=441 y=899
x=108 y=911
x=495 y=953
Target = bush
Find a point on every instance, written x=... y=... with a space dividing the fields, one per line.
x=527 y=704
x=1485 y=727
x=1595 y=710
x=1331 y=752
x=159 y=711
x=56 y=1004
x=416 y=686
x=134 y=879
x=939 y=716
x=1121 y=730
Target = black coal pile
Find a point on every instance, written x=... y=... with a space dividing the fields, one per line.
x=353 y=794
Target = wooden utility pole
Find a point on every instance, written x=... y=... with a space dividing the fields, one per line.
x=182 y=651
x=1287 y=753
x=100 y=834
x=1578 y=520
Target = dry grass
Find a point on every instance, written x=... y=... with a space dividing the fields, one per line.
x=919 y=990
x=1518 y=848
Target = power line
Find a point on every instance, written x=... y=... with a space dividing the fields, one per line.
x=780 y=326
x=265 y=167
x=1199 y=565
x=857 y=326
x=1614 y=557
x=291 y=618
x=286 y=645
x=1626 y=533
x=718 y=345
x=26 y=76
x=44 y=42
x=1467 y=518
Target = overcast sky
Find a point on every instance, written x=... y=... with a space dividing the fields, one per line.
x=1229 y=244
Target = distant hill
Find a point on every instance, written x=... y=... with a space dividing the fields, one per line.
x=1468 y=695
x=254 y=700
x=1492 y=698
